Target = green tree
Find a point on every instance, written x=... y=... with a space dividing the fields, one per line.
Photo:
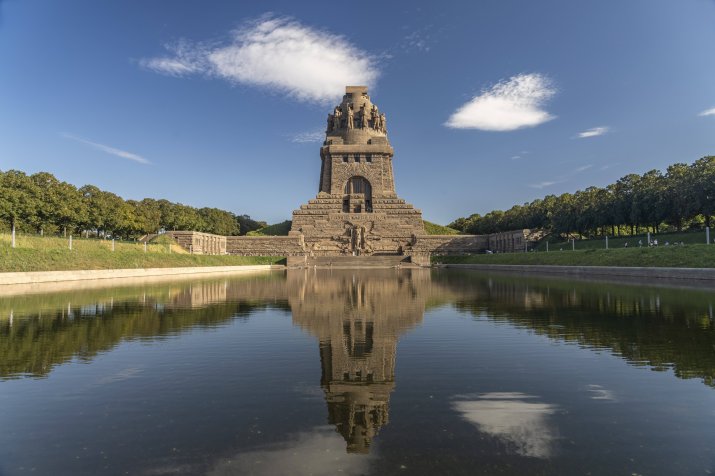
x=678 y=195
x=703 y=185
x=19 y=200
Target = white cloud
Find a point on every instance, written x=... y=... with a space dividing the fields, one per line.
x=583 y=168
x=187 y=59
x=595 y=132
x=708 y=112
x=507 y=106
x=513 y=418
x=309 y=136
x=544 y=184
x=417 y=40
x=561 y=178
x=109 y=150
x=600 y=393
x=318 y=452
x=278 y=54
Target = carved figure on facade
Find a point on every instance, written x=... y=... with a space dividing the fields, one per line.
x=350 y=122
x=375 y=114
x=363 y=117
x=331 y=120
x=336 y=118
x=383 y=124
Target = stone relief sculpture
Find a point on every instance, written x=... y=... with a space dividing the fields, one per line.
x=350 y=122
x=383 y=124
x=331 y=120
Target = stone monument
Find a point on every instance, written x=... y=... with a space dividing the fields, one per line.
x=357 y=211
x=356 y=219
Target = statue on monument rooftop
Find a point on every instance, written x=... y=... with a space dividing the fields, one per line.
x=356 y=119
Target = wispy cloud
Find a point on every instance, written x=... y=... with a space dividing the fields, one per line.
x=417 y=41
x=544 y=184
x=594 y=132
x=561 y=178
x=708 y=112
x=279 y=54
x=309 y=136
x=109 y=150
x=520 y=155
x=583 y=168
x=599 y=393
x=509 y=105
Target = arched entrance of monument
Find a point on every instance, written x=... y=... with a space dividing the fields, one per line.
x=357 y=196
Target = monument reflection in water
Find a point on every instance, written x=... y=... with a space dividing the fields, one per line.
x=296 y=373
x=357 y=320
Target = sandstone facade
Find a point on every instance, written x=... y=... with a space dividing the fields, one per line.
x=357 y=211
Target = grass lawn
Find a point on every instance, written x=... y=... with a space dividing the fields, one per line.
x=34 y=253
x=689 y=238
x=688 y=256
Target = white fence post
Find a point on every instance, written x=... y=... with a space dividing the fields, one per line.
x=13 y=234
x=606 y=241
x=707 y=235
x=573 y=244
x=112 y=244
x=70 y=241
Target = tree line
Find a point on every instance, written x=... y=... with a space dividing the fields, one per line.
x=683 y=197
x=40 y=203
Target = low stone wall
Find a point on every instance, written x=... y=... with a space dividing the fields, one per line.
x=508 y=241
x=265 y=245
x=707 y=274
x=94 y=274
x=450 y=244
x=294 y=246
x=200 y=243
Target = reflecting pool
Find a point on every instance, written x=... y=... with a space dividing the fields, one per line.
x=358 y=372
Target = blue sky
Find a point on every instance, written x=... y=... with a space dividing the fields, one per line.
x=488 y=103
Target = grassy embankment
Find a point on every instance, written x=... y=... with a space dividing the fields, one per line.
x=435 y=229
x=278 y=229
x=688 y=256
x=689 y=238
x=34 y=253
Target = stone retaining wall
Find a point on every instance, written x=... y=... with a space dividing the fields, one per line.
x=94 y=274
x=200 y=243
x=450 y=244
x=707 y=274
x=295 y=244
x=265 y=245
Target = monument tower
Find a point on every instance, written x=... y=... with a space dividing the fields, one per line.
x=357 y=211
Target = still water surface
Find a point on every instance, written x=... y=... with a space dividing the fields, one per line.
x=359 y=372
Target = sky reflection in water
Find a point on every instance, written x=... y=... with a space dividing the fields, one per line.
x=358 y=372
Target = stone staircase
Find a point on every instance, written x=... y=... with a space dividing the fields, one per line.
x=386 y=261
